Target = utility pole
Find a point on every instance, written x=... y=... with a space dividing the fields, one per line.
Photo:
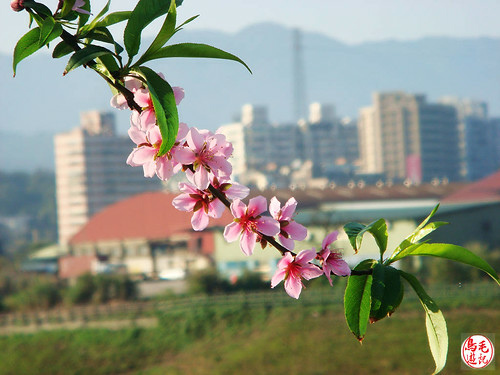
x=298 y=79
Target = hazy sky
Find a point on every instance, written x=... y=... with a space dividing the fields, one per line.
x=350 y=21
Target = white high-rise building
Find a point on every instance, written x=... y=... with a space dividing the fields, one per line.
x=91 y=172
x=319 y=112
x=370 y=142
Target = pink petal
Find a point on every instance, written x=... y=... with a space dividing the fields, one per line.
x=327 y=272
x=137 y=136
x=195 y=140
x=267 y=225
x=142 y=98
x=237 y=191
x=164 y=168
x=289 y=209
x=178 y=94
x=340 y=268
x=287 y=242
x=147 y=119
x=274 y=208
x=217 y=142
x=278 y=277
x=149 y=169
x=256 y=206
x=118 y=101
x=200 y=220
x=144 y=155
x=130 y=159
x=154 y=135
x=329 y=239
x=188 y=188
x=219 y=164
x=200 y=178
x=305 y=256
x=285 y=261
x=293 y=286
x=133 y=84
x=182 y=132
x=232 y=231
x=184 y=155
x=310 y=271
x=296 y=231
x=238 y=208
x=184 y=202
x=135 y=119
x=247 y=241
x=216 y=208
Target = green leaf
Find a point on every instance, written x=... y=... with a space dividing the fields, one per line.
x=420 y=232
x=61 y=49
x=357 y=300
x=84 y=56
x=113 y=18
x=27 y=45
x=143 y=14
x=49 y=31
x=435 y=323
x=83 y=17
x=378 y=229
x=195 y=50
x=166 y=32
x=449 y=251
x=387 y=292
x=90 y=26
x=163 y=100
x=39 y=8
x=104 y=35
x=66 y=8
x=106 y=64
x=191 y=19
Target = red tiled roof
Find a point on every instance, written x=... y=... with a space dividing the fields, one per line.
x=485 y=190
x=148 y=215
x=312 y=197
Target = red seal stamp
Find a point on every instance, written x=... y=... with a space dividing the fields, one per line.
x=477 y=351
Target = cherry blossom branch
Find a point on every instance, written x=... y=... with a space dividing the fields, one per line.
x=283 y=250
x=269 y=239
x=203 y=155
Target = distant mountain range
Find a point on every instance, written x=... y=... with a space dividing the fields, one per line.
x=39 y=102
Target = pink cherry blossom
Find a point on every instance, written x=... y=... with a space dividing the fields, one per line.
x=232 y=190
x=206 y=152
x=292 y=270
x=146 y=152
x=132 y=84
x=146 y=118
x=249 y=223
x=77 y=7
x=289 y=229
x=201 y=202
x=331 y=260
x=17 y=5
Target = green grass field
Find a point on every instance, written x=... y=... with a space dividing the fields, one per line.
x=236 y=339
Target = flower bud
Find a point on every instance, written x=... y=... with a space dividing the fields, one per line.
x=17 y=5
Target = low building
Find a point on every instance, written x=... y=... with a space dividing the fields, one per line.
x=473 y=213
x=147 y=235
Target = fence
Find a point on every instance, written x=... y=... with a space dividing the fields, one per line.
x=144 y=313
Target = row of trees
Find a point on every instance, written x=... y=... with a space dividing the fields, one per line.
x=29 y=198
x=26 y=293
